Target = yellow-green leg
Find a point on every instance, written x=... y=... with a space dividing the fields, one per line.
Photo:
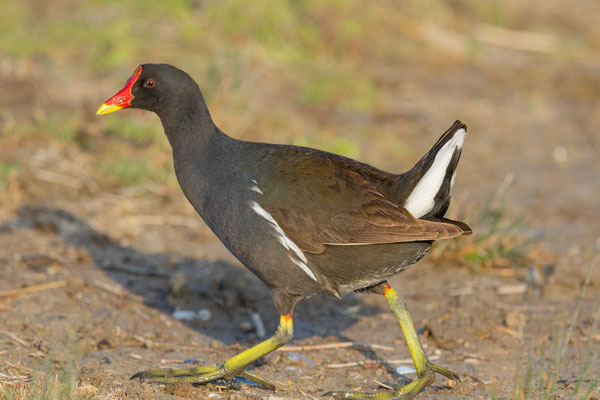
x=230 y=368
x=425 y=369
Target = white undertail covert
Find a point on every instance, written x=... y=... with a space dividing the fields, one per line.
x=422 y=198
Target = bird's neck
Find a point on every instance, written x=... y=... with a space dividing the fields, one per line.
x=188 y=125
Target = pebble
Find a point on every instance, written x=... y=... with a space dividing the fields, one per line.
x=185 y=315
x=178 y=284
x=518 y=288
x=103 y=344
x=560 y=155
x=259 y=327
x=405 y=369
x=513 y=319
x=204 y=314
x=293 y=356
x=535 y=278
x=246 y=327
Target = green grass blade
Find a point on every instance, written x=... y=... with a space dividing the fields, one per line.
x=589 y=358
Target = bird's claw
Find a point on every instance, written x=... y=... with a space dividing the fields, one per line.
x=198 y=375
x=406 y=392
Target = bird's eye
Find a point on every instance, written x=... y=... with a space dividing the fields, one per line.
x=149 y=83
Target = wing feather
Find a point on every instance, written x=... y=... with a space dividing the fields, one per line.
x=375 y=219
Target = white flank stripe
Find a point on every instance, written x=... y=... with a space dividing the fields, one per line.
x=421 y=200
x=256 y=189
x=284 y=240
x=304 y=268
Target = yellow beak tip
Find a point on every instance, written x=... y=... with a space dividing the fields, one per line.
x=105 y=109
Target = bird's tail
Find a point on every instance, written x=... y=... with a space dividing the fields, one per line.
x=433 y=176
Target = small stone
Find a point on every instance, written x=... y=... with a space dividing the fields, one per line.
x=178 y=284
x=513 y=319
x=404 y=369
x=560 y=155
x=204 y=314
x=535 y=278
x=293 y=356
x=103 y=344
x=246 y=327
x=518 y=288
x=259 y=327
x=353 y=310
x=185 y=315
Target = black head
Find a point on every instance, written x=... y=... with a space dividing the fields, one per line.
x=154 y=87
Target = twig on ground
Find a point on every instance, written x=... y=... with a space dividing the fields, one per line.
x=107 y=287
x=383 y=384
x=367 y=362
x=535 y=42
x=14 y=337
x=511 y=332
x=473 y=355
x=60 y=179
x=33 y=288
x=520 y=308
x=340 y=345
x=306 y=395
x=142 y=314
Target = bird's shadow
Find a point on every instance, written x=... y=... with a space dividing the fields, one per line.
x=230 y=292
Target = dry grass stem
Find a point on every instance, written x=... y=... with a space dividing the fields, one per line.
x=14 y=337
x=33 y=288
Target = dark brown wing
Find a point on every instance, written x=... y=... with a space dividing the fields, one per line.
x=311 y=232
x=347 y=209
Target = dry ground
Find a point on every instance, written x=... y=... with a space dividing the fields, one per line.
x=90 y=205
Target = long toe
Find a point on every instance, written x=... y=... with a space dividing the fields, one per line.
x=156 y=373
x=198 y=375
x=445 y=372
x=395 y=395
x=406 y=392
x=257 y=379
x=191 y=375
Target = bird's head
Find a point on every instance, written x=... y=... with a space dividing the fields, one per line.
x=152 y=87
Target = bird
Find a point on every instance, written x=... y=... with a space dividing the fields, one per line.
x=304 y=221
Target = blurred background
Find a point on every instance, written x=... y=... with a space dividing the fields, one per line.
x=377 y=81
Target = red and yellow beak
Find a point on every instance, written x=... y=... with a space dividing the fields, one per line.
x=123 y=98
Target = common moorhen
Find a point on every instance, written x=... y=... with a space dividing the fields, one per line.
x=304 y=221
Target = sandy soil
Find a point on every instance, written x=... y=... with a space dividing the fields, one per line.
x=112 y=315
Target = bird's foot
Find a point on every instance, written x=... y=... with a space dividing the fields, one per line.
x=198 y=375
x=406 y=392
